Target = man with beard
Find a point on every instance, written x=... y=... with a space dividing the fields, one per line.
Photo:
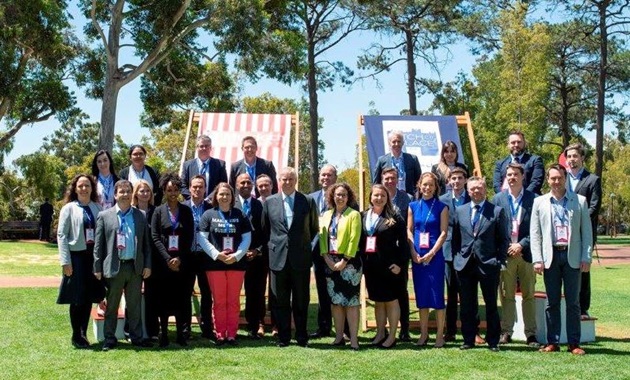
x=532 y=164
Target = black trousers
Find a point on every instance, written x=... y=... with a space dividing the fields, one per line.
x=324 y=313
x=470 y=279
x=585 y=292
x=255 y=286
x=291 y=289
x=452 y=299
x=198 y=272
x=403 y=299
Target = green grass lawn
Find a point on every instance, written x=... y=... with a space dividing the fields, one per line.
x=619 y=240
x=29 y=259
x=35 y=344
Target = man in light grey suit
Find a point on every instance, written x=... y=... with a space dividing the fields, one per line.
x=561 y=240
x=122 y=255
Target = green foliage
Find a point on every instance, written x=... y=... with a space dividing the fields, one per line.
x=44 y=175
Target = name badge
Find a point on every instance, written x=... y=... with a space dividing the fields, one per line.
x=562 y=235
x=228 y=243
x=107 y=205
x=173 y=243
x=333 y=245
x=121 y=243
x=424 y=240
x=514 y=233
x=89 y=235
x=370 y=244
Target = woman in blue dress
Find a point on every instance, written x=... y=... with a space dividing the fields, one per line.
x=427 y=225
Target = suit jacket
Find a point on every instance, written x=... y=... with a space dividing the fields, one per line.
x=443 y=181
x=412 y=169
x=348 y=232
x=447 y=199
x=401 y=204
x=292 y=244
x=190 y=169
x=155 y=178
x=534 y=172
x=255 y=218
x=502 y=200
x=590 y=186
x=391 y=242
x=580 y=234
x=70 y=233
x=106 y=259
x=262 y=167
x=489 y=245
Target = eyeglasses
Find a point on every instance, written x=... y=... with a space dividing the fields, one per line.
x=204 y=146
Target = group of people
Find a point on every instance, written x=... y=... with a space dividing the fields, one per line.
x=257 y=225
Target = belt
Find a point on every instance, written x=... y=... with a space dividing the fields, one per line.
x=560 y=247
x=127 y=261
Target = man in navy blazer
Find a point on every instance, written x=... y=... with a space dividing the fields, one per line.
x=407 y=164
x=456 y=197
x=257 y=259
x=587 y=184
x=212 y=169
x=532 y=164
x=253 y=165
x=480 y=240
x=518 y=202
x=290 y=221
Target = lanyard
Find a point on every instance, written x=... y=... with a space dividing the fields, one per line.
x=564 y=210
x=139 y=175
x=106 y=182
x=197 y=212
x=251 y=170
x=88 y=214
x=372 y=222
x=335 y=222
x=424 y=225
x=174 y=220
x=121 y=219
x=513 y=209
x=227 y=225
x=399 y=164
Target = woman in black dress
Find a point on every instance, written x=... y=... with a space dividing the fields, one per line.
x=383 y=249
x=172 y=228
x=75 y=236
x=448 y=161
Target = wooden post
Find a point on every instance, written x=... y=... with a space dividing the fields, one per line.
x=181 y=162
x=464 y=121
x=295 y=119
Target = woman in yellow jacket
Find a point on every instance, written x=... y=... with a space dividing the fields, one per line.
x=339 y=235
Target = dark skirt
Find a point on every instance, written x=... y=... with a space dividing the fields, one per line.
x=344 y=287
x=82 y=287
x=382 y=285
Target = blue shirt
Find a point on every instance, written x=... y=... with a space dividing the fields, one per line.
x=127 y=227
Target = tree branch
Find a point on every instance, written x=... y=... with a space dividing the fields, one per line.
x=98 y=28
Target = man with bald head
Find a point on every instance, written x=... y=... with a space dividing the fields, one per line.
x=290 y=222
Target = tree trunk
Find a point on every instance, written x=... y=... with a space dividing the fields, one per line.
x=313 y=114
x=601 y=91
x=108 y=109
x=411 y=73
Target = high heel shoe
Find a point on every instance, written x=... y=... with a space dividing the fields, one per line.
x=342 y=342
x=383 y=346
x=439 y=344
x=422 y=343
x=379 y=342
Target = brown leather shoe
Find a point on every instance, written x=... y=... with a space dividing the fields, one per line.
x=550 y=348
x=479 y=340
x=261 y=331
x=505 y=338
x=576 y=350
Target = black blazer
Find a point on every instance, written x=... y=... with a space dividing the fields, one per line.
x=534 y=172
x=161 y=229
x=190 y=169
x=255 y=218
x=443 y=181
x=292 y=245
x=447 y=199
x=502 y=200
x=590 y=186
x=489 y=245
x=262 y=167
x=391 y=242
x=155 y=178
x=412 y=169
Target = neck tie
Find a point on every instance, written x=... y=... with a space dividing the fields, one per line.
x=288 y=210
x=475 y=218
x=246 y=207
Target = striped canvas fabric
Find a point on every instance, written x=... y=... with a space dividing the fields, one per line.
x=272 y=132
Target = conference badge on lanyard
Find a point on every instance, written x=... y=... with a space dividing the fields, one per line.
x=370 y=244
x=333 y=244
x=89 y=235
x=173 y=243
x=120 y=240
x=424 y=239
x=562 y=235
x=228 y=243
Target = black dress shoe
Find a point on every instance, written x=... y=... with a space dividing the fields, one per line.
x=80 y=343
x=282 y=344
x=302 y=343
x=142 y=343
x=404 y=337
x=466 y=346
x=505 y=338
x=494 y=348
x=449 y=337
x=533 y=342
x=163 y=342
x=219 y=342
x=182 y=341
x=109 y=346
x=253 y=335
x=232 y=342
x=319 y=334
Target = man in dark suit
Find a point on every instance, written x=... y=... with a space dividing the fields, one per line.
x=198 y=205
x=212 y=169
x=400 y=200
x=456 y=197
x=518 y=204
x=583 y=182
x=257 y=260
x=327 y=178
x=122 y=255
x=480 y=240
x=253 y=165
x=407 y=164
x=290 y=221
x=532 y=165
x=46 y=213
